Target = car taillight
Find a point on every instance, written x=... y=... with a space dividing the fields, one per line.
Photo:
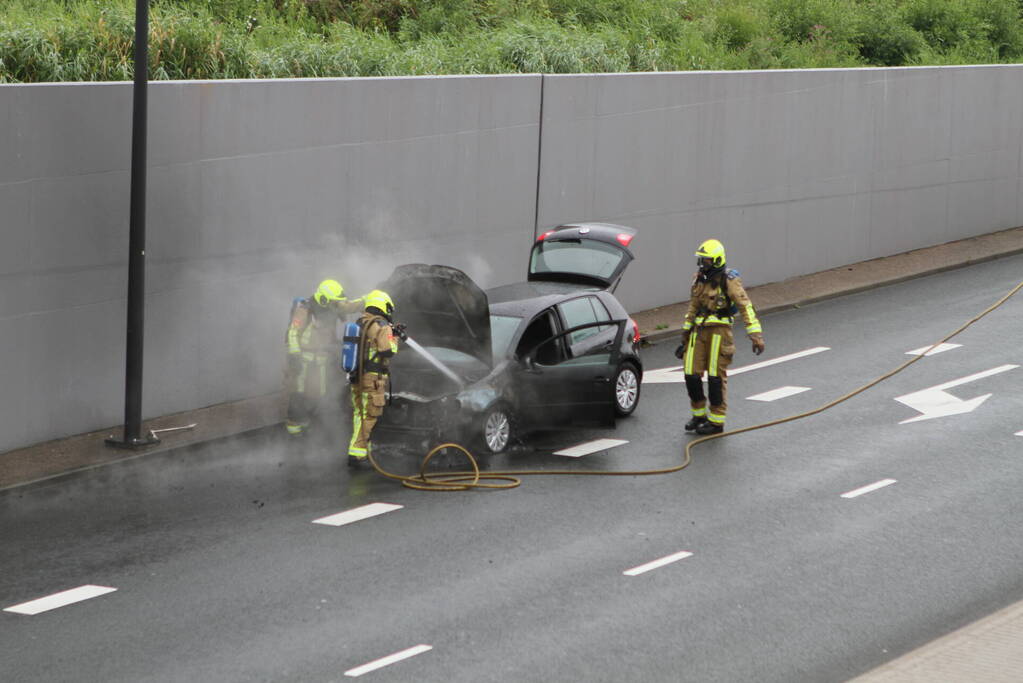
x=635 y=331
x=624 y=238
x=544 y=236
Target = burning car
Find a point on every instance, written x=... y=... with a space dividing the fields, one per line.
x=557 y=349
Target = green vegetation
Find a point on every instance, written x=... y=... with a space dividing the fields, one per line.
x=80 y=40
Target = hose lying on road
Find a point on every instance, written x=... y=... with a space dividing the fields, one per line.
x=463 y=481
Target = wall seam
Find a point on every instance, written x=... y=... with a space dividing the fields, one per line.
x=539 y=162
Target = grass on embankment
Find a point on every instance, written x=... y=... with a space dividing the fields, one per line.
x=91 y=40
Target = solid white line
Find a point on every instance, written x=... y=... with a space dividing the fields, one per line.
x=674 y=374
x=964 y=380
x=779 y=359
x=781 y=392
x=867 y=489
x=357 y=514
x=389 y=659
x=636 y=571
x=590 y=447
x=940 y=348
x=61 y=599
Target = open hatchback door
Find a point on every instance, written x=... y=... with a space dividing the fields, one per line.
x=588 y=254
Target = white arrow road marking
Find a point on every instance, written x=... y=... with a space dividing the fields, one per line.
x=590 y=447
x=675 y=557
x=357 y=514
x=68 y=597
x=780 y=392
x=936 y=402
x=389 y=659
x=674 y=374
x=937 y=349
x=868 y=488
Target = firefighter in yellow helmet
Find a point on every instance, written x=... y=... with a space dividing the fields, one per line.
x=377 y=345
x=707 y=346
x=312 y=343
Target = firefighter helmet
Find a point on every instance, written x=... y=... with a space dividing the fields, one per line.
x=379 y=300
x=711 y=257
x=329 y=291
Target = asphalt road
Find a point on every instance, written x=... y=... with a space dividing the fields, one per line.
x=222 y=576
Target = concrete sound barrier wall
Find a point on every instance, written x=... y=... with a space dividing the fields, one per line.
x=259 y=189
x=795 y=171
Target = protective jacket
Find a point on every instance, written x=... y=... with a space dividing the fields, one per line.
x=369 y=385
x=311 y=332
x=716 y=300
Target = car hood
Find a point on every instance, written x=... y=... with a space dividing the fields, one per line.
x=441 y=306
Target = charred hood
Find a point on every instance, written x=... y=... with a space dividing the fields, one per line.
x=441 y=306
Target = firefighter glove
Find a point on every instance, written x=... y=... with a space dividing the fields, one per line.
x=399 y=331
x=758 y=343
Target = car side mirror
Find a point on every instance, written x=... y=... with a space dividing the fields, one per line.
x=529 y=365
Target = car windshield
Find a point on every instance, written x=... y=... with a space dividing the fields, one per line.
x=589 y=257
x=502 y=329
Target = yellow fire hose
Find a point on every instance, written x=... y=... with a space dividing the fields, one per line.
x=463 y=481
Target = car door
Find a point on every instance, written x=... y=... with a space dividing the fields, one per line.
x=566 y=377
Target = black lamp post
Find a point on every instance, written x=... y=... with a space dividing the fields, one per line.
x=133 y=437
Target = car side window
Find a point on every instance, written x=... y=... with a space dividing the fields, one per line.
x=579 y=312
x=541 y=328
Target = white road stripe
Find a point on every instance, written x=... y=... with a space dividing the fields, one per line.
x=590 y=447
x=636 y=571
x=780 y=392
x=868 y=488
x=61 y=599
x=937 y=349
x=1019 y=433
x=389 y=659
x=357 y=514
x=674 y=374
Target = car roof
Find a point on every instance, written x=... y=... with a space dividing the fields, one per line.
x=526 y=299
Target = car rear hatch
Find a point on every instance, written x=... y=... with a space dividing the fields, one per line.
x=589 y=254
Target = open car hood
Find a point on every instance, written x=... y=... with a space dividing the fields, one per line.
x=441 y=306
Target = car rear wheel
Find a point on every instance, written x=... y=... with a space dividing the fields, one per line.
x=626 y=390
x=495 y=430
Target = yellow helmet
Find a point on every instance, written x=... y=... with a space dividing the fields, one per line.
x=379 y=300
x=711 y=256
x=328 y=292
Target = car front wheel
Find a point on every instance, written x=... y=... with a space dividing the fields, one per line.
x=626 y=390
x=495 y=430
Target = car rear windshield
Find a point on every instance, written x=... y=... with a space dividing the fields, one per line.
x=502 y=329
x=585 y=257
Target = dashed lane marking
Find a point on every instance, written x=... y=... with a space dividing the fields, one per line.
x=780 y=392
x=1020 y=433
x=868 y=488
x=643 y=568
x=674 y=374
x=940 y=348
x=357 y=514
x=590 y=447
x=61 y=599
x=389 y=659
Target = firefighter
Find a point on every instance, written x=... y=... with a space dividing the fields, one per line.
x=707 y=346
x=312 y=343
x=377 y=345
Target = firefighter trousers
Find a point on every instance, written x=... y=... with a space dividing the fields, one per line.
x=368 y=399
x=710 y=349
x=306 y=389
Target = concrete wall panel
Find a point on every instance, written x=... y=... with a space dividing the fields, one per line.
x=259 y=189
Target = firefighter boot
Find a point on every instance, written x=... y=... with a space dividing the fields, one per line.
x=709 y=427
x=694 y=424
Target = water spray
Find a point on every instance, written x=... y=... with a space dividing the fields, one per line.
x=434 y=362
